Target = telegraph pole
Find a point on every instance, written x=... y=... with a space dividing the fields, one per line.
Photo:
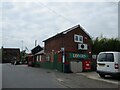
x=22 y=45
x=35 y=43
x=22 y=51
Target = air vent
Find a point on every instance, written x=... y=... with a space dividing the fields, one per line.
x=82 y=46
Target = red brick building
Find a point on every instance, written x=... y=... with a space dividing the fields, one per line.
x=73 y=44
x=70 y=40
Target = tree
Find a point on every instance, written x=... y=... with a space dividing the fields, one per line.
x=101 y=44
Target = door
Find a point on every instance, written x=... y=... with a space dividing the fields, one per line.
x=110 y=62
x=105 y=62
x=101 y=66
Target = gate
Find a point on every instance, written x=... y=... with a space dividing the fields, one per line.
x=55 y=61
x=56 y=64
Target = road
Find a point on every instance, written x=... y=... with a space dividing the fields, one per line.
x=22 y=76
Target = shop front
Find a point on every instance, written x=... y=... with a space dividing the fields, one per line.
x=77 y=62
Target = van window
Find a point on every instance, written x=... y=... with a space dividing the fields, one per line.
x=110 y=57
x=102 y=57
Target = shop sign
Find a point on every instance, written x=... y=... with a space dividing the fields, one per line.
x=79 y=56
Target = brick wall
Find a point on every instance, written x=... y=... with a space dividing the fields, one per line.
x=67 y=41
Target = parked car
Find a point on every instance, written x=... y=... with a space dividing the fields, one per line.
x=108 y=63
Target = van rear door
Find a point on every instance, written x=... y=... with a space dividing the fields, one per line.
x=117 y=61
x=101 y=65
x=106 y=62
x=110 y=64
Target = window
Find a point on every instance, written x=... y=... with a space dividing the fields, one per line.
x=102 y=57
x=37 y=58
x=106 y=57
x=48 y=57
x=78 y=38
x=110 y=57
x=40 y=58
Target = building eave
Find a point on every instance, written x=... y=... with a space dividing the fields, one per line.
x=68 y=30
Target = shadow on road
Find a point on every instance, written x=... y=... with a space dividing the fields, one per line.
x=112 y=78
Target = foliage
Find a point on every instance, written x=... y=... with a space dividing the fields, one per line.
x=101 y=44
x=23 y=54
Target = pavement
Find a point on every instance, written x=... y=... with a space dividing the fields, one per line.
x=81 y=80
x=95 y=76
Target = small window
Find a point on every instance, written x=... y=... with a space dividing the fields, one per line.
x=110 y=57
x=78 y=38
x=40 y=58
x=37 y=58
x=102 y=57
x=48 y=57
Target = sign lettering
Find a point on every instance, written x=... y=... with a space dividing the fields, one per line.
x=77 y=55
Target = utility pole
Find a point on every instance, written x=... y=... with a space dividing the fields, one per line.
x=22 y=45
x=22 y=51
x=35 y=43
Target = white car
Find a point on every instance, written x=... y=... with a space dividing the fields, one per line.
x=108 y=63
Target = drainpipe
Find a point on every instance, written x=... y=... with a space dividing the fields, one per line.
x=63 y=57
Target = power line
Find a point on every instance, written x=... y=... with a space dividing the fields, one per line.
x=57 y=13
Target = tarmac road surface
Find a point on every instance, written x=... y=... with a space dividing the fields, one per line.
x=22 y=76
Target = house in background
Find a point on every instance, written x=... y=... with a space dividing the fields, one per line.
x=34 y=57
x=72 y=45
x=10 y=54
x=36 y=49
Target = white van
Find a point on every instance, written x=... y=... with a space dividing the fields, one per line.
x=108 y=63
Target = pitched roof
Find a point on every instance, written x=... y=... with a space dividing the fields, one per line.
x=10 y=48
x=36 y=49
x=40 y=52
x=66 y=31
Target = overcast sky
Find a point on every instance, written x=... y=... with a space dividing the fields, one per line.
x=30 y=21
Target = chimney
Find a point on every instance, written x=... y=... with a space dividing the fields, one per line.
x=35 y=43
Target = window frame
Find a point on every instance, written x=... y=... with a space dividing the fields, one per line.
x=78 y=37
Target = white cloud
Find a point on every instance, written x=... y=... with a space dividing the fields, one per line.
x=60 y=0
x=29 y=21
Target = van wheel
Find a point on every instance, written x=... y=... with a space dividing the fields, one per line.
x=102 y=75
